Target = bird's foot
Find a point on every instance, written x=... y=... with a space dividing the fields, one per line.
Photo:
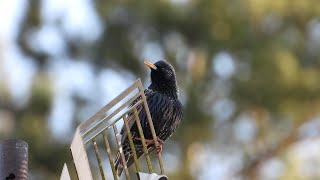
x=159 y=149
x=148 y=141
x=159 y=141
x=151 y=141
x=159 y=146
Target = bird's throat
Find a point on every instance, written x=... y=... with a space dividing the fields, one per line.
x=165 y=89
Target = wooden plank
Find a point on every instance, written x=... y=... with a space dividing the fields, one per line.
x=65 y=173
x=80 y=157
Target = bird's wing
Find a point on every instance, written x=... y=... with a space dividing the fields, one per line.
x=171 y=118
x=131 y=118
x=178 y=116
x=157 y=105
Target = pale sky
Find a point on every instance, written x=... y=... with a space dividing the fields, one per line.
x=76 y=77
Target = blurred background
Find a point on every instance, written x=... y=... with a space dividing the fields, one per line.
x=247 y=72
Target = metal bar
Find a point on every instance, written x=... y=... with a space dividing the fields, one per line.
x=98 y=158
x=106 y=142
x=97 y=134
x=146 y=108
x=121 y=152
x=128 y=111
x=145 y=149
x=133 y=149
x=111 y=115
x=113 y=123
x=109 y=106
x=13 y=159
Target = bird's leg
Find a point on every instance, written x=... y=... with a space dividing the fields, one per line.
x=151 y=141
x=159 y=141
x=148 y=141
x=159 y=149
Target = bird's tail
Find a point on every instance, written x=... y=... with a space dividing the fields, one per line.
x=128 y=158
x=118 y=164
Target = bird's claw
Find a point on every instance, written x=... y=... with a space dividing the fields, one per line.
x=149 y=141
x=159 y=141
x=159 y=149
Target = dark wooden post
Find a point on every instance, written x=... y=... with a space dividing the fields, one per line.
x=13 y=159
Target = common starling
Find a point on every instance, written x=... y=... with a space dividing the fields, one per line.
x=165 y=109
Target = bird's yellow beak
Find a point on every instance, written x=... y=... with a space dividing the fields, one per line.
x=150 y=65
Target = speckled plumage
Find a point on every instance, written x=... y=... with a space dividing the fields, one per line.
x=165 y=108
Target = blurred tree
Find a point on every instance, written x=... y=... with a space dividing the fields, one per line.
x=240 y=64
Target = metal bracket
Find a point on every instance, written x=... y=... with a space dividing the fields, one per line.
x=98 y=126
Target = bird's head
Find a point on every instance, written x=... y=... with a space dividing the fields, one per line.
x=163 y=77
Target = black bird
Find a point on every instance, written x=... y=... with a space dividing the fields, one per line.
x=166 y=112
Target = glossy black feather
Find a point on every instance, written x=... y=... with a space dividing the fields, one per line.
x=165 y=109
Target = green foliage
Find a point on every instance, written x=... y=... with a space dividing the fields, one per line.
x=272 y=38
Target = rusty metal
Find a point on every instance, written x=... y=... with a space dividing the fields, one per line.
x=13 y=159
